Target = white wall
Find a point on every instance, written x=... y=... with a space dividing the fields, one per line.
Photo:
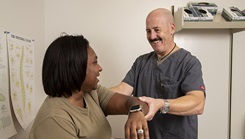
x=238 y=93
x=116 y=30
x=26 y=17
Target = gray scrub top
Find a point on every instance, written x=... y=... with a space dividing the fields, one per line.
x=180 y=73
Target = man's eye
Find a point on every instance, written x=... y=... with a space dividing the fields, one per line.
x=157 y=30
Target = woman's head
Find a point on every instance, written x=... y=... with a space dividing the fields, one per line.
x=65 y=65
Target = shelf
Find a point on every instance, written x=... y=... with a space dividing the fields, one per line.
x=218 y=23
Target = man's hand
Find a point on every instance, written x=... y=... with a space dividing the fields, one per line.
x=136 y=126
x=154 y=106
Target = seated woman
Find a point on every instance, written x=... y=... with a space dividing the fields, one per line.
x=76 y=107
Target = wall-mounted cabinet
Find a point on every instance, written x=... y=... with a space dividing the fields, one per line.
x=218 y=23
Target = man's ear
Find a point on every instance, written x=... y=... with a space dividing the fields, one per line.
x=172 y=28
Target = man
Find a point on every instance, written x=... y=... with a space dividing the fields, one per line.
x=169 y=79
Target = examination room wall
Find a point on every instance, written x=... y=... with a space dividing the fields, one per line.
x=26 y=18
x=116 y=30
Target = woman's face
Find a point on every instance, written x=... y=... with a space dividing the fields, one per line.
x=92 y=72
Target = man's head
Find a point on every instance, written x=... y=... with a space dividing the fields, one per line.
x=160 y=30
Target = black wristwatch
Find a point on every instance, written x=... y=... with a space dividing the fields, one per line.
x=135 y=108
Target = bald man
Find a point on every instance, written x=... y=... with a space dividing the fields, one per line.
x=169 y=79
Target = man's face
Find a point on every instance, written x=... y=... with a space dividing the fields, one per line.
x=159 y=33
x=92 y=72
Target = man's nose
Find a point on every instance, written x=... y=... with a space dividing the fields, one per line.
x=152 y=35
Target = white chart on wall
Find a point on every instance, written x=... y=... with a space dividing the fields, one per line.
x=21 y=58
x=7 y=128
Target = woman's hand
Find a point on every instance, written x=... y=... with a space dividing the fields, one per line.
x=136 y=126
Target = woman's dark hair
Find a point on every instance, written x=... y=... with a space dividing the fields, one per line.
x=64 y=65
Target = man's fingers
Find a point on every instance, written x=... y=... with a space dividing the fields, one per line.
x=143 y=98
